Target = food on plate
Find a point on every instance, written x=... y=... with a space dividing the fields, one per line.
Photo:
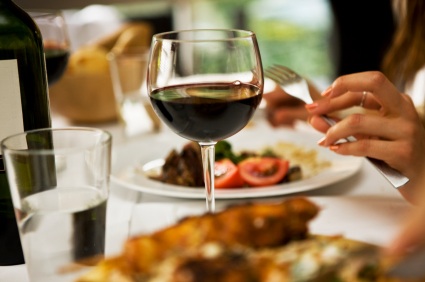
x=184 y=168
x=284 y=162
x=248 y=242
x=227 y=175
x=263 y=171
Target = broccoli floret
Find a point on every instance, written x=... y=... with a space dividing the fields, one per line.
x=268 y=152
x=223 y=150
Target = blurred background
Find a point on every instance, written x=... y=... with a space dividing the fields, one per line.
x=320 y=39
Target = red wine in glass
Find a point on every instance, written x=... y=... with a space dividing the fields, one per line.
x=56 y=61
x=56 y=43
x=206 y=112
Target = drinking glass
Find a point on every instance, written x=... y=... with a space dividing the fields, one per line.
x=205 y=84
x=56 y=42
x=128 y=75
x=59 y=182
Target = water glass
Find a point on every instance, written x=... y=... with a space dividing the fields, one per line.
x=59 y=181
x=128 y=74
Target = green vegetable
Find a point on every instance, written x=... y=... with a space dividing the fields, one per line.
x=223 y=150
x=268 y=152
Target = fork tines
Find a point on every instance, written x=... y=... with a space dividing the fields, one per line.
x=279 y=73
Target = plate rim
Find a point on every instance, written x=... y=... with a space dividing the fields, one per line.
x=314 y=182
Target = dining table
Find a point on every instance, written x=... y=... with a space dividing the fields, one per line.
x=361 y=206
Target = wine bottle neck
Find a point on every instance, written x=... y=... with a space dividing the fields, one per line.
x=7 y=3
x=2 y=2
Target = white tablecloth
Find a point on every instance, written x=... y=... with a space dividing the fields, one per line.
x=363 y=207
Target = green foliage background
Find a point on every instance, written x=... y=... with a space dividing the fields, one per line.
x=304 y=48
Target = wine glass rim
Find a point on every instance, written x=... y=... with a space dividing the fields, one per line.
x=239 y=34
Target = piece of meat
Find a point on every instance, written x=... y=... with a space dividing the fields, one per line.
x=184 y=168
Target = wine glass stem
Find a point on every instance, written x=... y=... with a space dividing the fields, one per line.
x=208 y=158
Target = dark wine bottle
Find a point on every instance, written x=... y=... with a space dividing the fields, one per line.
x=24 y=105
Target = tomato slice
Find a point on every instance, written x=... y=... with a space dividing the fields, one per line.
x=227 y=175
x=263 y=171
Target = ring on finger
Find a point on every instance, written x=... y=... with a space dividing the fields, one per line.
x=363 y=99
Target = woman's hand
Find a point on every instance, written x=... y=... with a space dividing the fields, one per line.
x=390 y=130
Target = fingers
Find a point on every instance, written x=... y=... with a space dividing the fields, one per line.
x=404 y=126
x=326 y=106
x=319 y=123
x=372 y=90
x=364 y=125
x=279 y=98
x=287 y=115
x=395 y=118
x=376 y=137
x=373 y=148
x=374 y=83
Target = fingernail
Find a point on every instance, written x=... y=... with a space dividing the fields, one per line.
x=321 y=141
x=311 y=106
x=334 y=147
x=327 y=92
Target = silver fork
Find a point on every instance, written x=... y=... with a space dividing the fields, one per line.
x=296 y=86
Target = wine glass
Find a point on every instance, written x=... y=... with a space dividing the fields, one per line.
x=56 y=42
x=205 y=84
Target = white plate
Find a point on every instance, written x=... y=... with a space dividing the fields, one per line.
x=152 y=147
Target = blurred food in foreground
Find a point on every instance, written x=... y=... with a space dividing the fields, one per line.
x=84 y=94
x=250 y=225
x=248 y=242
